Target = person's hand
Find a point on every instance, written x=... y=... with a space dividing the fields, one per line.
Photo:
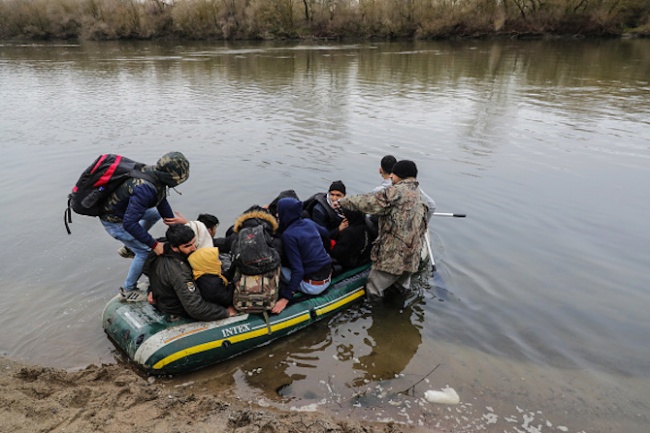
x=344 y=224
x=178 y=219
x=231 y=311
x=159 y=248
x=150 y=298
x=279 y=306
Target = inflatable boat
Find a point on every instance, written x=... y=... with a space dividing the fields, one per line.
x=161 y=344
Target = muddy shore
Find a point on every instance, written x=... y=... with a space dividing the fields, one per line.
x=113 y=398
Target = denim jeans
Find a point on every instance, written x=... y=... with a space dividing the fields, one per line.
x=304 y=287
x=150 y=217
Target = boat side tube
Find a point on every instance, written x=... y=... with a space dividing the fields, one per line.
x=160 y=345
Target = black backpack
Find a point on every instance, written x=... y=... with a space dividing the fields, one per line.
x=308 y=205
x=252 y=251
x=98 y=181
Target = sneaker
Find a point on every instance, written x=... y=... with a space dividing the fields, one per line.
x=126 y=252
x=132 y=295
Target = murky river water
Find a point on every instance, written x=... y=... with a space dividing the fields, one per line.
x=537 y=315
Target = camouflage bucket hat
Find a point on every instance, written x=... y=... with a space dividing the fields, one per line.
x=173 y=169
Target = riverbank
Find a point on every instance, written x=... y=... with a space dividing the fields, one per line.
x=114 y=399
x=262 y=20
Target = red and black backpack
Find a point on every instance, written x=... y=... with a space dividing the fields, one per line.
x=98 y=181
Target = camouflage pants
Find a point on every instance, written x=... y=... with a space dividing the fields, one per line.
x=379 y=281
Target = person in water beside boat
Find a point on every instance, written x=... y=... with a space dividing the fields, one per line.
x=135 y=206
x=309 y=266
x=172 y=285
x=402 y=213
x=385 y=169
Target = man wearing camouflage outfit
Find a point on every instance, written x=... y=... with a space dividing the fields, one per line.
x=136 y=206
x=402 y=216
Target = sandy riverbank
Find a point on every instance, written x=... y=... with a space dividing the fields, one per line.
x=112 y=398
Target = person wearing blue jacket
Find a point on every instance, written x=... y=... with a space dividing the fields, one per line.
x=131 y=210
x=303 y=244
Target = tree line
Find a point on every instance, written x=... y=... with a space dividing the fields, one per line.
x=323 y=19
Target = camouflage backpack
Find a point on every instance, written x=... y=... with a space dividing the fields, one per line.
x=256 y=293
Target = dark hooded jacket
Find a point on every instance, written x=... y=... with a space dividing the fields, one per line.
x=320 y=211
x=174 y=290
x=303 y=243
x=131 y=200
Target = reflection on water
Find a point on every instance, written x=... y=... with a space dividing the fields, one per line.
x=537 y=315
x=392 y=338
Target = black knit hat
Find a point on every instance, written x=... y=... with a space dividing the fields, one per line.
x=405 y=168
x=337 y=185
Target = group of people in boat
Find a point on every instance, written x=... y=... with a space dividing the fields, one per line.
x=191 y=271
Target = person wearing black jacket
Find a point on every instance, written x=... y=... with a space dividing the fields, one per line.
x=320 y=208
x=351 y=247
x=172 y=287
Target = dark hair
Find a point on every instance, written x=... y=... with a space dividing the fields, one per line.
x=209 y=220
x=387 y=163
x=179 y=234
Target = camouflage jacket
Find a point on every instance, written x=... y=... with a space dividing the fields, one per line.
x=402 y=224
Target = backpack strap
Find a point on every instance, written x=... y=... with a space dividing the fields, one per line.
x=67 y=217
x=267 y=320
x=146 y=176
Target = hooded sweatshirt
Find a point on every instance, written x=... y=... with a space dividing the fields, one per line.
x=303 y=244
x=131 y=200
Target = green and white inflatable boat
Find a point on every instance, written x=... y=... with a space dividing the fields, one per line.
x=159 y=345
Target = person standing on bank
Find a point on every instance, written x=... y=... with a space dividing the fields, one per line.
x=136 y=205
x=402 y=213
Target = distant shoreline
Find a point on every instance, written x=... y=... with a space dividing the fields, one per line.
x=340 y=20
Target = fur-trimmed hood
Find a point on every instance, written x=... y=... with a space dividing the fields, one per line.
x=261 y=215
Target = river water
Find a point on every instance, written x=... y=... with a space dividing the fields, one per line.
x=537 y=315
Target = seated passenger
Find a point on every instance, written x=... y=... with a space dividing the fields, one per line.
x=204 y=229
x=352 y=246
x=273 y=206
x=320 y=208
x=211 y=223
x=172 y=286
x=303 y=243
x=253 y=216
x=210 y=278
